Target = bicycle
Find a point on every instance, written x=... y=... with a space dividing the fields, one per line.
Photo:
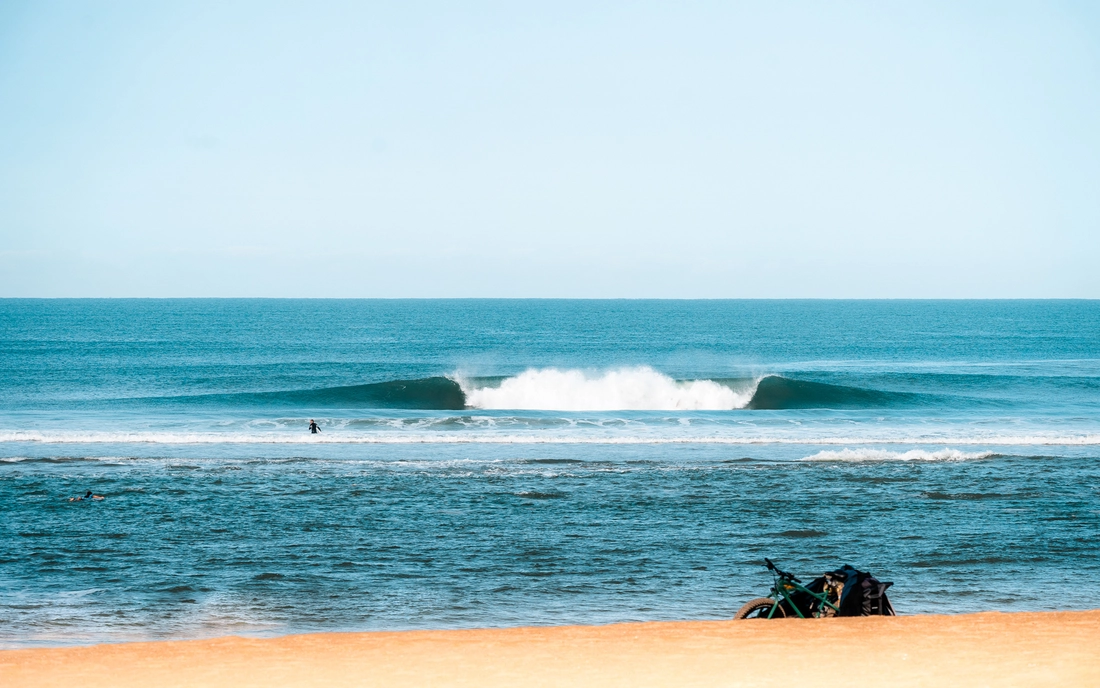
x=789 y=597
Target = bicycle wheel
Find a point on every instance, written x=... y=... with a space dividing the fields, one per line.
x=758 y=609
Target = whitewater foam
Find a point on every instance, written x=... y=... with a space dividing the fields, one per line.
x=886 y=455
x=633 y=389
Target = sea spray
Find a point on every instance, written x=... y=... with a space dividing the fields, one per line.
x=638 y=388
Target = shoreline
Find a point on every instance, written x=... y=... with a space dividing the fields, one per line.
x=987 y=648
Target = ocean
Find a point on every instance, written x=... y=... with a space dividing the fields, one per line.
x=526 y=462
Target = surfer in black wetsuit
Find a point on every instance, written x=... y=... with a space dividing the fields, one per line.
x=313 y=427
x=89 y=495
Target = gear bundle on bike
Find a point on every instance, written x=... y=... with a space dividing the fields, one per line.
x=843 y=592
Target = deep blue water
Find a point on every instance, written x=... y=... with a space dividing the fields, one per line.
x=529 y=462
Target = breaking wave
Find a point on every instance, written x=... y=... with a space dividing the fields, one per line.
x=633 y=389
x=645 y=389
x=552 y=389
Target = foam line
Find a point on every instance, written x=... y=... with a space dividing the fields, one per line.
x=886 y=455
x=537 y=437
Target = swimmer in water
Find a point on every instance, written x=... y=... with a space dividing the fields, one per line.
x=313 y=427
x=87 y=495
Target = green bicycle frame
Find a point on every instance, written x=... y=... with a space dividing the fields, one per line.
x=781 y=592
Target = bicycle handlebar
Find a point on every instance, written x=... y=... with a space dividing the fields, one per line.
x=778 y=571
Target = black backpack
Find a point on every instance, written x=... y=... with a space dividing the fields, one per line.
x=863 y=594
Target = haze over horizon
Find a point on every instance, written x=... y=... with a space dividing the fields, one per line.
x=559 y=150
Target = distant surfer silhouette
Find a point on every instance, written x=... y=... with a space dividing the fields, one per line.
x=313 y=427
x=88 y=495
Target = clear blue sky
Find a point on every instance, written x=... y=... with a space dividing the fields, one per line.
x=678 y=149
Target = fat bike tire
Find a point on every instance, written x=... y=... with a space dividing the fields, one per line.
x=758 y=609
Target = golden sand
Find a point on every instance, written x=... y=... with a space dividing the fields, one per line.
x=990 y=649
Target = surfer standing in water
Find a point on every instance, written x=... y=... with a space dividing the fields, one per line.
x=313 y=429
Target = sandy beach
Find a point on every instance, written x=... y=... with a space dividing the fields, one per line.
x=988 y=649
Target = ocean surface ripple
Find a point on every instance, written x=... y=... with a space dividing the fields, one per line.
x=533 y=462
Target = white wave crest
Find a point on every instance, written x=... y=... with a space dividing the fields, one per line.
x=886 y=455
x=625 y=389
